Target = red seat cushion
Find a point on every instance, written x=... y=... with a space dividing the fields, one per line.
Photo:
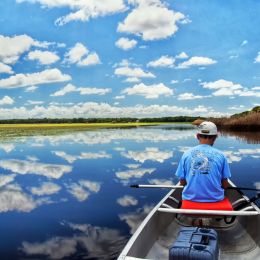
x=219 y=205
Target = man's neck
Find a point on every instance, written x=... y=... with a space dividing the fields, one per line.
x=206 y=141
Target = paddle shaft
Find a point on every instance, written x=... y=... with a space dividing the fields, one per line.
x=156 y=186
x=180 y=187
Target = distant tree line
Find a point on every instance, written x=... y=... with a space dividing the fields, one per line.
x=98 y=120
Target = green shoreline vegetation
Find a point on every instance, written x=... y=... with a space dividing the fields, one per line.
x=73 y=125
x=245 y=121
x=89 y=123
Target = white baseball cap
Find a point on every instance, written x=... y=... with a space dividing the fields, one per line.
x=207 y=128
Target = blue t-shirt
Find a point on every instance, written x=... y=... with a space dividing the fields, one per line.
x=203 y=167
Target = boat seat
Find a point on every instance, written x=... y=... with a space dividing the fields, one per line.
x=218 y=205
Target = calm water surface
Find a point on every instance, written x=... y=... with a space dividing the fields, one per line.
x=66 y=195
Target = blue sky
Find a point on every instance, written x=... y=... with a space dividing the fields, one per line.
x=137 y=58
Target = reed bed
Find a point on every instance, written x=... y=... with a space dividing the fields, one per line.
x=249 y=122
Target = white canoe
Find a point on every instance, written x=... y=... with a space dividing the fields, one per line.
x=158 y=231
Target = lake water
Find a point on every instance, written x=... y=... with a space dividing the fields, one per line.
x=66 y=195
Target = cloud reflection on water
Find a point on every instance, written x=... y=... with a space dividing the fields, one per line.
x=127 y=200
x=161 y=182
x=134 y=173
x=13 y=198
x=113 y=136
x=94 y=242
x=5 y=179
x=134 y=219
x=83 y=189
x=237 y=155
x=7 y=147
x=54 y=171
x=83 y=156
x=47 y=188
x=151 y=153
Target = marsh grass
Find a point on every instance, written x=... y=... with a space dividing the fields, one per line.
x=249 y=122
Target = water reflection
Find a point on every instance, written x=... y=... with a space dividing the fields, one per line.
x=31 y=167
x=236 y=156
x=14 y=198
x=96 y=242
x=127 y=201
x=109 y=136
x=82 y=189
x=134 y=219
x=151 y=153
x=249 y=137
x=46 y=188
x=60 y=178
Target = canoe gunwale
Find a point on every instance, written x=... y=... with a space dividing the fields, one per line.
x=209 y=212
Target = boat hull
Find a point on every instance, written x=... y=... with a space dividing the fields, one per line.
x=156 y=234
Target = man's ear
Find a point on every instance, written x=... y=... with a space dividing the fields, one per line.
x=198 y=137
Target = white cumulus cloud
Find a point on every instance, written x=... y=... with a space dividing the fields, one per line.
x=5 y=68
x=43 y=77
x=151 y=20
x=11 y=48
x=125 y=43
x=133 y=72
x=196 y=61
x=82 y=10
x=149 y=91
x=163 y=61
x=81 y=56
x=82 y=90
x=189 y=96
x=34 y=102
x=228 y=88
x=44 y=57
x=182 y=55
x=67 y=89
x=94 y=109
x=257 y=59
x=6 y=100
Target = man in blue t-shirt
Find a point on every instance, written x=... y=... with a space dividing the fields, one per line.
x=204 y=170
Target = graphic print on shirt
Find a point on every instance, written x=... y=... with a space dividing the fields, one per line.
x=199 y=163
